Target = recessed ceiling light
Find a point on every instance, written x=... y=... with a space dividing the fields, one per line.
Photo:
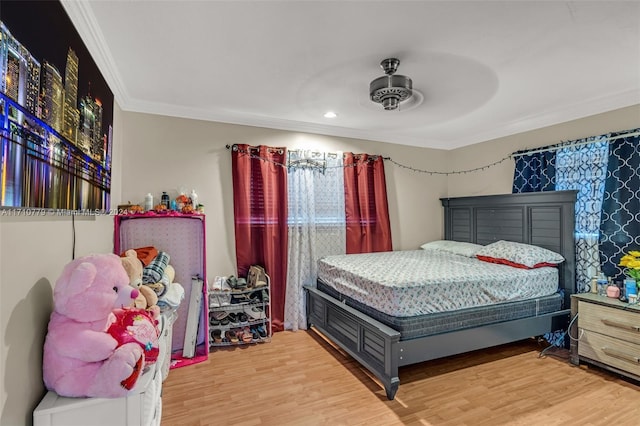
x=330 y=114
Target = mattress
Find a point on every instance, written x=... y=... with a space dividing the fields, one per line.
x=418 y=282
x=442 y=322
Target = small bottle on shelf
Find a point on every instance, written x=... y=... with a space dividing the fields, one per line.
x=194 y=199
x=603 y=283
x=148 y=202
x=165 y=200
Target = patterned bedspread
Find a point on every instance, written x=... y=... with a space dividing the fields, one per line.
x=416 y=282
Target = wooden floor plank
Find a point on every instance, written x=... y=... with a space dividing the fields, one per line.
x=300 y=379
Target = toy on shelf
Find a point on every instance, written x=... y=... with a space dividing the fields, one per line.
x=147 y=298
x=81 y=359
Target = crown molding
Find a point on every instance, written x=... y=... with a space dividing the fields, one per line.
x=83 y=18
x=564 y=114
x=86 y=25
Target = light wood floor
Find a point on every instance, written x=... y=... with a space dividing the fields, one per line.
x=299 y=379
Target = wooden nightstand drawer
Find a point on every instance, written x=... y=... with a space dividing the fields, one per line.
x=610 y=351
x=624 y=325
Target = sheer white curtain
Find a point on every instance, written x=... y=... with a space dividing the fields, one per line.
x=316 y=224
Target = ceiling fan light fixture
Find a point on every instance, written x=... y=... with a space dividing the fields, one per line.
x=390 y=89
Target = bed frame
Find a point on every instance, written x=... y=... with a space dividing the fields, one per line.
x=543 y=219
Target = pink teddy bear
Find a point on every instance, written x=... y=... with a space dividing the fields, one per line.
x=80 y=358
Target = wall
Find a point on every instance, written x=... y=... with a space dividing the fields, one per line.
x=164 y=154
x=33 y=251
x=156 y=153
x=498 y=179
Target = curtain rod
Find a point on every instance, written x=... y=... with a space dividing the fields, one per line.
x=556 y=147
x=331 y=154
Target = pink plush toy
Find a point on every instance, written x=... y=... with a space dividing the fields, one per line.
x=80 y=358
x=139 y=326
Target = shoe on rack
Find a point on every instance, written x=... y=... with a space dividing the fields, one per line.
x=216 y=334
x=217 y=300
x=256 y=277
x=254 y=333
x=262 y=278
x=231 y=336
x=225 y=299
x=254 y=312
x=255 y=296
x=261 y=331
x=217 y=284
x=233 y=319
x=213 y=301
x=239 y=298
x=224 y=285
x=231 y=282
x=213 y=321
x=259 y=296
x=247 y=335
x=241 y=283
x=219 y=315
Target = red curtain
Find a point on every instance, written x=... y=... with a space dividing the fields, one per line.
x=260 y=210
x=366 y=206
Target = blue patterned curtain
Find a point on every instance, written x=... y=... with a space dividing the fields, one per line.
x=582 y=165
x=620 y=226
x=535 y=172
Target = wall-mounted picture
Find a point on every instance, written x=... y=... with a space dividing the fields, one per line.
x=56 y=113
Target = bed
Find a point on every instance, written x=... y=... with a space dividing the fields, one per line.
x=373 y=322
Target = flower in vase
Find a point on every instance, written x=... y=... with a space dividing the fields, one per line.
x=631 y=264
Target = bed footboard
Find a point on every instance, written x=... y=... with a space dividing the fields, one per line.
x=371 y=343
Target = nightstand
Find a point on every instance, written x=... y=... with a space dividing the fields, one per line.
x=608 y=333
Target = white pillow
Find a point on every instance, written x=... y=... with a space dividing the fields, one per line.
x=518 y=254
x=456 y=247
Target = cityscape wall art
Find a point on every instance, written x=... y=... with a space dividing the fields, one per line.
x=56 y=113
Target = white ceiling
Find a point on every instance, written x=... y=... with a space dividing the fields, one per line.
x=481 y=69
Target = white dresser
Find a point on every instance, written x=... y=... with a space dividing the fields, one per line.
x=142 y=408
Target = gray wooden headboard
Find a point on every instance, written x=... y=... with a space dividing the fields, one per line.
x=544 y=219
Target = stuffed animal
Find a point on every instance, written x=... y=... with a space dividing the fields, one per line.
x=151 y=300
x=80 y=358
x=147 y=299
x=133 y=266
x=138 y=326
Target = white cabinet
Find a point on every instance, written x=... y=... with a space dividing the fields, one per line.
x=142 y=408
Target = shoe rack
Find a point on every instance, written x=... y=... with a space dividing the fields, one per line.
x=239 y=316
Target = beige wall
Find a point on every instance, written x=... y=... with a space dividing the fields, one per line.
x=33 y=251
x=164 y=154
x=498 y=179
x=155 y=153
